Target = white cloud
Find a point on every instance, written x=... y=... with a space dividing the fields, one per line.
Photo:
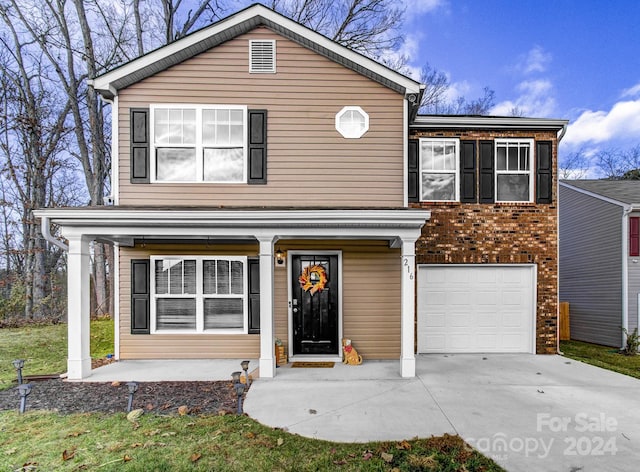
x=414 y=7
x=622 y=122
x=536 y=60
x=631 y=92
x=535 y=98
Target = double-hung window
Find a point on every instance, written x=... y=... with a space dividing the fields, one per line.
x=197 y=294
x=514 y=176
x=439 y=174
x=199 y=143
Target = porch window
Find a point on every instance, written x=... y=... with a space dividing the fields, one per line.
x=514 y=170
x=199 y=294
x=199 y=143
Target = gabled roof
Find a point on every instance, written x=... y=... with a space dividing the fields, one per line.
x=245 y=20
x=622 y=191
x=488 y=122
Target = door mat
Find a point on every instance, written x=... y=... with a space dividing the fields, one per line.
x=311 y=365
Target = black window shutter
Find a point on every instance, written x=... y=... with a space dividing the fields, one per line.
x=544 y=172
x=254 y=295
x=487 y=193
x=257 y=147
x=468 y=172
x=140 y=315
x=413 y=187
x=140 y=165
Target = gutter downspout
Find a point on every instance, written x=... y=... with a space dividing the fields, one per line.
x=625 y=272
x=563 y=131
x=45 y=229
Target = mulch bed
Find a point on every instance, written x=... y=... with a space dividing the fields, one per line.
x=160 y=397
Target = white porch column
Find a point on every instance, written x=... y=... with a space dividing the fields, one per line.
x=78 y=317
x=267 y=353
x=407 y=289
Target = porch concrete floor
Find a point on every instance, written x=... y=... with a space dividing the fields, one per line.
x=529 y=413
x=180 y=370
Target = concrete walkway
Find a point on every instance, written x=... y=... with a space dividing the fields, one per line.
x=529 y=413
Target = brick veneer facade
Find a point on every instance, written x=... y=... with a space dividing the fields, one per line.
x=499 y=233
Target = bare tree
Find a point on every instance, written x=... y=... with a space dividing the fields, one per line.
x=371 y=27
x=33 y=132
x=617 y=164
x=574 y=166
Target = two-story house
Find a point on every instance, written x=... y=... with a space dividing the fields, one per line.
x=270 y=183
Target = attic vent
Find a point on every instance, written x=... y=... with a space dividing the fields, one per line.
x=262 y=56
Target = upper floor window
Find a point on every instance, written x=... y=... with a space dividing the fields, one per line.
x=199 y=294
x=199 y=143
x=439 y=170
x=352 y=122
x=514 y=175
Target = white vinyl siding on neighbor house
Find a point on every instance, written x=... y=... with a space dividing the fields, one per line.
x=198 y=143
x=514 y=170
x=439 y=170
x=197 y=294
x=590 y=270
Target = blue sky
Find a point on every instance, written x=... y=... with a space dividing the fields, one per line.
x=573 y=59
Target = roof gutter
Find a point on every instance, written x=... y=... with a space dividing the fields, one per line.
x=45 y=229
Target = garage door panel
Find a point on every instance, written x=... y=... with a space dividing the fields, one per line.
x=493 y=312
x=489 y=319
x=459 y=320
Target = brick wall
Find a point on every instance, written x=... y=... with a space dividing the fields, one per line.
x=499 y=233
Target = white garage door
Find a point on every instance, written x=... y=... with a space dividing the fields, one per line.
x=465 y=308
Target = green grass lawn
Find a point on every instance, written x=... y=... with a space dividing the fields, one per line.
x=602 y=356
x=44 y=348
x=161 y=443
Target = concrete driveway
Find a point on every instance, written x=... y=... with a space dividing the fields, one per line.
x=529 y=413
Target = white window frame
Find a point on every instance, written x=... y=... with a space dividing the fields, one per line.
x=346 y=133
x=456 y=141
x=199 y=146
x=199 y=295
x=262 y=71
x=530 y=172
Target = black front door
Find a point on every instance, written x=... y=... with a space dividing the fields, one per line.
x=314 y=304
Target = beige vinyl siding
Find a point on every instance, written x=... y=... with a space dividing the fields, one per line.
x=371 y=302
x=309 y=162
x=590 y=269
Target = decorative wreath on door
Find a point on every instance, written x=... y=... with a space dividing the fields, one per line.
x=313 y=279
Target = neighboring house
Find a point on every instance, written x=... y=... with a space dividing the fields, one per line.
x=600 y=258
x=268 y=182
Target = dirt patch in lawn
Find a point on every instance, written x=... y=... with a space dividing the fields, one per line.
x=160 y=397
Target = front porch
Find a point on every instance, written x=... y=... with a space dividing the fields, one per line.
x=209 y=370
x=260 y=229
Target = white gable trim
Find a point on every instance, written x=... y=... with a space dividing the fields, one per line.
x=104 y=83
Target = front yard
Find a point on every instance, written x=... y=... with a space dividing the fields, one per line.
x=602 y=356
x=44 y=440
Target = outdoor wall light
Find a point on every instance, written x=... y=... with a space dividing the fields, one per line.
x=279 y=257
x=19 y=364
x=133 y=388
x=24 y=390
x=239 y=391
x=245 y=367
x=236 y=377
